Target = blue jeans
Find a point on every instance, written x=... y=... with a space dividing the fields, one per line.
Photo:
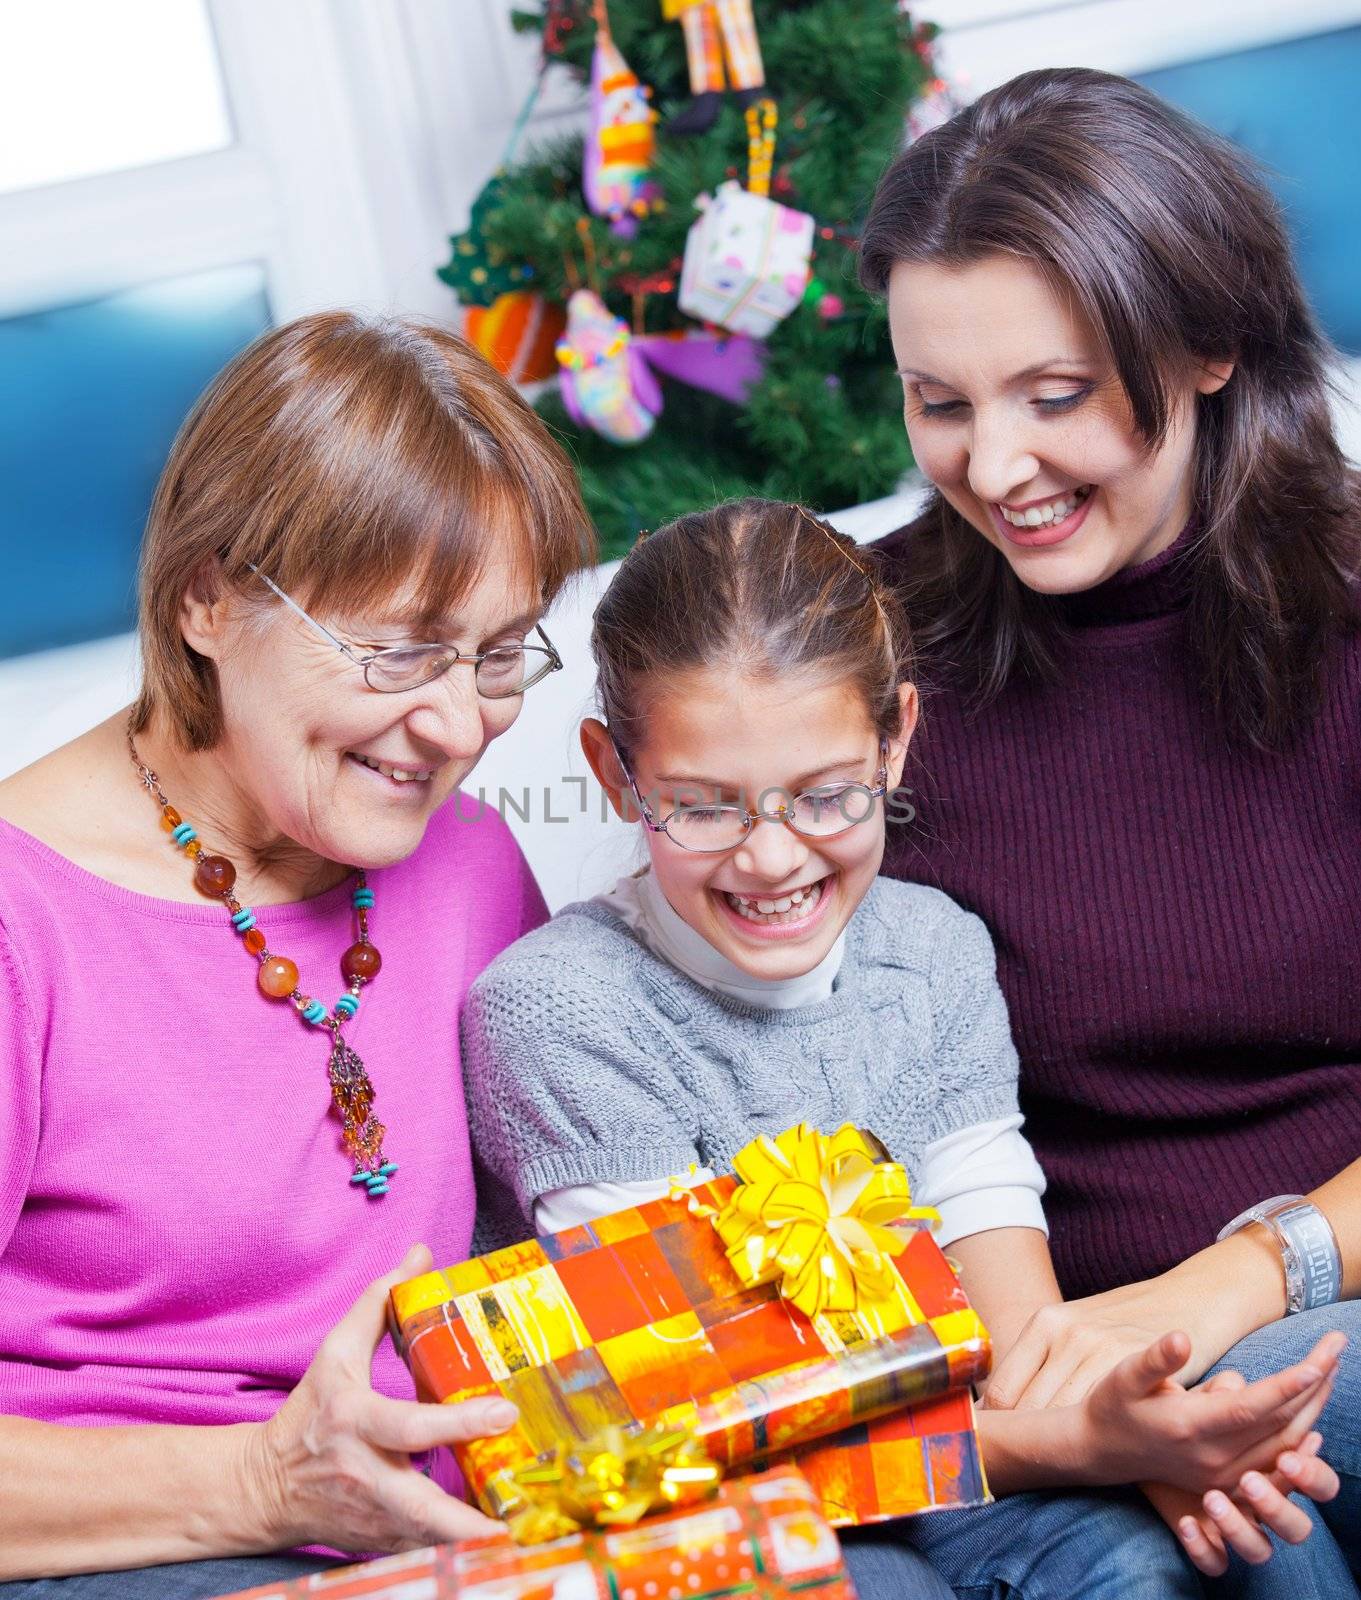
x=881 y=1569
x=180 y=1580
x=1100 y=1545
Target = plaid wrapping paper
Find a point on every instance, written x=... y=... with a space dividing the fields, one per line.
x=640 y=1317
x=762 y=1538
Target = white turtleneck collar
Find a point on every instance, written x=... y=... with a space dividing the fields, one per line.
x=639 y=902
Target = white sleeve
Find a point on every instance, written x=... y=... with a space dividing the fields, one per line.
x=584 y=1202
x=981 y=1177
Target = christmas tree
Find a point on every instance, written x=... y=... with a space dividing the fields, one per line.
x=808 y=110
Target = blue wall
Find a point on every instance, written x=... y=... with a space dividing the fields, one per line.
x=1294 y=105
x=90 y=399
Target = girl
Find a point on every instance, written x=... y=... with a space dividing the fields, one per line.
x=754 y=687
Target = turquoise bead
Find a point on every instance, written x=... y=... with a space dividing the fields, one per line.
x=363 y=899
x=377 y=1189
x=387 y=1169
x=360 y=1177
x=183 y=835
x=314 y=1012
x=346 y=1006
x=243 y=920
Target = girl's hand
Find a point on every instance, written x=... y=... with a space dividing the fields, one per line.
x=1217 y=1523
x=333 y=1467
x=1139 y=1425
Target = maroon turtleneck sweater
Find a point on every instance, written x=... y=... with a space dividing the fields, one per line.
x=1177 y=922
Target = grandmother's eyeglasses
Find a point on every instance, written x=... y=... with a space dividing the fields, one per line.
x=500 y=673
x=709 y=827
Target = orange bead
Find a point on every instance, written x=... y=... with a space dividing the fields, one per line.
x=360 y=961
x=193 y=849
x=170 y=819
x=214 y=875
x=254 y=941
x=278 y=977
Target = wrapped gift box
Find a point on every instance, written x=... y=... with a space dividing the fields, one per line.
x=641 y=1318
x=746 y=261
x=763 y=1538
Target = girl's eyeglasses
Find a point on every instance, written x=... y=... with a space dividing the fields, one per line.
x=499 y=673
x=708 y=827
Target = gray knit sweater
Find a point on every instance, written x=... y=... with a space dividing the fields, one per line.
x=588 y=1059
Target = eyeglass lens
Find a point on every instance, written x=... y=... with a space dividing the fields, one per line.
x=500 y=673
x=818 y=814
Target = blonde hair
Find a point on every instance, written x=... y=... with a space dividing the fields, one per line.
x=352 y=460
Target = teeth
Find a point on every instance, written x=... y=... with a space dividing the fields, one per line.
x=792 y=907
x=398 y=774
x=1045 y=515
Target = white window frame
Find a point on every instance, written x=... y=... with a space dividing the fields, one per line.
x=985 y=42
x=288 y=192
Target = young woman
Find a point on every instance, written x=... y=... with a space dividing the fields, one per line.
x=757 y=706
x=1135 y=600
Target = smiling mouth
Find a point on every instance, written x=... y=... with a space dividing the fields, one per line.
x=397 y=774
x=1047 y=512
x=777 y=910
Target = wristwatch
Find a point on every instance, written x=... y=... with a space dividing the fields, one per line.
x=1313 y=1263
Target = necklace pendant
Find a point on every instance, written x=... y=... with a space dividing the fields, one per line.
x=362 y=1133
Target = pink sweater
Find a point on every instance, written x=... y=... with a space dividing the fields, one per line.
x=177 y=1228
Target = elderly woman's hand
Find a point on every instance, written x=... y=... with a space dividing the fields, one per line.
x=333 y=1465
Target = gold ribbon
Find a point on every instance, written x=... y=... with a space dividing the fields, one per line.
x=817 y=1213
x=613 y=1478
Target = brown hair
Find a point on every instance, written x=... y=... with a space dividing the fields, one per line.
x=348 y=459
x=1171 y=246
x=756 y=587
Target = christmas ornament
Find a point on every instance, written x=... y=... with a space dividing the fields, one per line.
x=620 y=142
x=478 y=271
x=517 y=334
x=726 y=364
x=722 y=51
x=747 y=258
x=606 y=384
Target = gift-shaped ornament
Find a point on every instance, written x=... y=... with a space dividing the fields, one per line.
x=653 y=1340
x=747 y=261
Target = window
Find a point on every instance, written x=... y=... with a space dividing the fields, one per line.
x=87 y=87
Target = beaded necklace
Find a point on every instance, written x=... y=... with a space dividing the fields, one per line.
x=351 y=1091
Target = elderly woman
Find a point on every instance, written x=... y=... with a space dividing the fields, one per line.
x=1135 y=593
x=347 y=559
x=355 y=537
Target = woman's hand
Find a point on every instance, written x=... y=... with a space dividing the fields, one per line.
x=1217 y=1297
x=1216 y=1523
x=332 y=1466
x=1138 y=1424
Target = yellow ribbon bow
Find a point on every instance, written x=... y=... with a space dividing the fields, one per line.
x=816 y=1212
x=610 y=1479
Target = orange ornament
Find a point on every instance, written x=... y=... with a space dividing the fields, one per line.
x=518 y=334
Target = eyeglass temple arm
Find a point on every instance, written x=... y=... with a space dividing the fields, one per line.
x=294 y=606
